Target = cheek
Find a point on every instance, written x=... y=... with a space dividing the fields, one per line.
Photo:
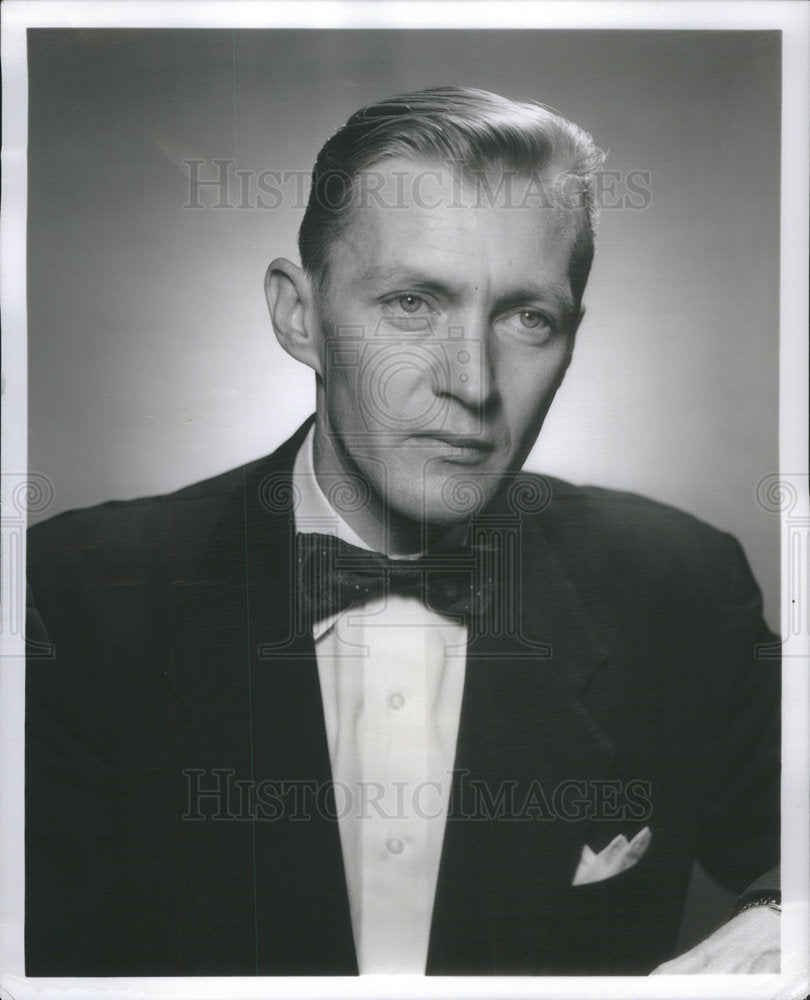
x=339 y=386
x=391 y=386
x=396 y=387
x=530 y=391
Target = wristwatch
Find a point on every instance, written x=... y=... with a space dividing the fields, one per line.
x=771 y=899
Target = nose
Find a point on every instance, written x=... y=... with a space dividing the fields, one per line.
x=468 y=372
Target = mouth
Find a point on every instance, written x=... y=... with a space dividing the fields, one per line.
x=466 y=449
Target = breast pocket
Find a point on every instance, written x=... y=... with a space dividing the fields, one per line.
x=619 y=855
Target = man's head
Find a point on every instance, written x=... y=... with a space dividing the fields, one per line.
x=446 y=247
x=475 y=132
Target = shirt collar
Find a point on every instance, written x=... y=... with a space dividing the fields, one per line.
x=314 y=513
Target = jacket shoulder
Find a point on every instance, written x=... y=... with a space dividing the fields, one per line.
x=186 y=515
x=625 y=530
x=143 y=530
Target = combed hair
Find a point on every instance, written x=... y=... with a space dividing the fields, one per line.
x=473 y=128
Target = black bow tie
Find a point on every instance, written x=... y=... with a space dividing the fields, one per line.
x=333 y=575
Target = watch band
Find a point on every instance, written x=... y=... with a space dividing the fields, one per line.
x=773 y=900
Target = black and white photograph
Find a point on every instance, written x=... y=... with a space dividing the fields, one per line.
x=405 y=520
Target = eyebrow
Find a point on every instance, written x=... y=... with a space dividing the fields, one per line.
x=552 y=292
x=403 y=276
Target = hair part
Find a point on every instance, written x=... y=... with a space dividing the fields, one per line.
x=474 y=131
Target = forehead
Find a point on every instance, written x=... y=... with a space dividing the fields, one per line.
x=502 y=224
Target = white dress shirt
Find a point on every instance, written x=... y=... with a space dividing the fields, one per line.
x=391 y=674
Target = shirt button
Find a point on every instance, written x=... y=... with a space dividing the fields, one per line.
x=395 y=845
x=396 y=700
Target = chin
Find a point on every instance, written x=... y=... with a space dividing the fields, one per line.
x=447 y=497
x=455 y=502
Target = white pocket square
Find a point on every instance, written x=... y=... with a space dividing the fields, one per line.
x=616 y=857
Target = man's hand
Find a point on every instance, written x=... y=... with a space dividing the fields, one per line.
x=748 y=943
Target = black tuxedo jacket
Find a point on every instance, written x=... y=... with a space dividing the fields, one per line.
x=625 y=693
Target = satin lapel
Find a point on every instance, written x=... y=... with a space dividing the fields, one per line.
x=260 y=866
x=524 y=737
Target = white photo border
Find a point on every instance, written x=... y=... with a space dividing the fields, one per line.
x=793 y=20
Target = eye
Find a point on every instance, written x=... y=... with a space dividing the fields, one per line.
x=528 y=325
x=409 y=313
x=531 y=320
x=410 y=303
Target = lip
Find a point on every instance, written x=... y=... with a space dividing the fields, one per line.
x=458 y=447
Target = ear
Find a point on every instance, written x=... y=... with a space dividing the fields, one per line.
x=291 y=302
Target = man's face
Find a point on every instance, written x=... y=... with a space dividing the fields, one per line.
x=446 y=332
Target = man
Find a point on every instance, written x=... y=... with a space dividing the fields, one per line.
x=380 y=702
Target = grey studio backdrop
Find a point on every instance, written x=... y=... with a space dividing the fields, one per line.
x=152 y=362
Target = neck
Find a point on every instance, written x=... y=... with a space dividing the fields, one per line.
x=381 y=528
